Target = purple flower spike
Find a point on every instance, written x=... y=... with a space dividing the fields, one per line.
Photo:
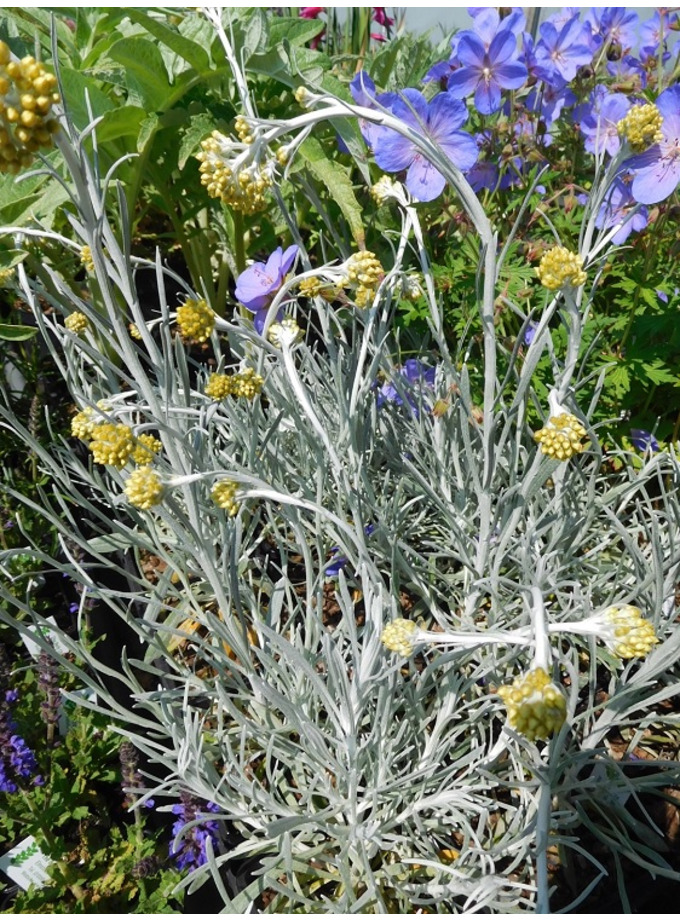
x=643 y=440
x=189 y=851
x=486 y=72
x=258 y=284
x=439 y=121
x=657 y=170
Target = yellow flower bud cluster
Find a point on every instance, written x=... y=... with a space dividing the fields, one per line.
x=134 y=332
x=285 y=331
x=536 y=706
x=630 y=635
x=317 y=287
x=383 y=189
x=641 y=127
x=365 y=271
x=144 y=488
x=244 y=130
x=196 y=321
x=27 y=94
x=561 y=437
x=397 y=636
x=83 y=424
x=112 y=444
x=241 y=187
x=77 y=323
x=559 y=267
x=301 y=96
x=224 y=495
x=146 y=448
x=86 y=258
x=246 y=384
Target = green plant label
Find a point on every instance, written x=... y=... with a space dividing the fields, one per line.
x=26 y=864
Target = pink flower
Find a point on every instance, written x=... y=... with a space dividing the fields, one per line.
x=381 y=17
x=311 y=12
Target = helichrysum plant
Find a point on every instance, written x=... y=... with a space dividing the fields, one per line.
x=404 y=602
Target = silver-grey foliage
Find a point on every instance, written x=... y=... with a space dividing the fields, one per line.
x=360 y=781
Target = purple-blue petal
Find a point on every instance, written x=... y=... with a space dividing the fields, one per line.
x=423 y=180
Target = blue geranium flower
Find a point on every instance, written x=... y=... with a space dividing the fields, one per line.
x=656 y=172
x=337 y=562
x=439 y=120
x=599 y=121
x=416 y=374
x=363 y=92
x=615 y=208
x=643 y=440
x=486 y=71
x=258 y=284
x=562 y=50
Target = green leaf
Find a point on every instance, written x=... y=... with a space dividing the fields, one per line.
x=336 y=181
x=190 y=51
x=296 y=31
x=121 y=122
x=78 y=88
x=145 y=75
x=200 y=126
x=147 y=129
x=255 y=32
x=619 y=379
x=16 y=333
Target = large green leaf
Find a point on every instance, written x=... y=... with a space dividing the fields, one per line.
x=190 y=51
x=122 y=122
x=78 y=89
x=337 y=183
x=144 y=72
x=296 y=31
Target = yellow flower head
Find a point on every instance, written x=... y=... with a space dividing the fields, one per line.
x=641 y=127
x=560 y=437
x=86 y=258
x=536 y=706
x=83 y=424
x=77 y=323
x=218 y=386
x=243 y=129
x=301 y=95
x=144 y=488
x=196 y=320
x=247 y=384
x=286 y=331
x=224 y=495
x=227 y=177
x=134 y=332
x=317 y=287
x=383 y=189
x=559 y=268
x=146 y=448
x=27 y=123
x=627 y=633
x=397 y=636
x=112 y=444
